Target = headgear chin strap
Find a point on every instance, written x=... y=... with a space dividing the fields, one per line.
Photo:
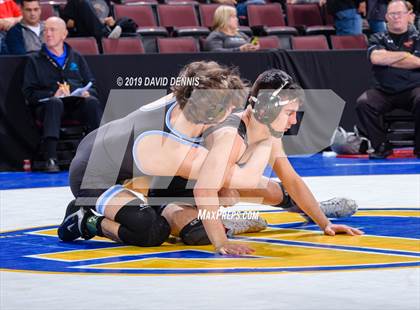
x=275 y=133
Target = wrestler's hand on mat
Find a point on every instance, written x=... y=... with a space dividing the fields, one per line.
x=234 y=249
x=333 y=229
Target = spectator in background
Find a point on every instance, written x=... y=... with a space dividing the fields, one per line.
x=26 y=36
x=376 y=10
x=412 y=15
x=241 y=7
x=346 y=14
x=225 y=36
x=10 y=15
x=395 y=55
x=50 y=76
x=415 y=5
x=92 y=18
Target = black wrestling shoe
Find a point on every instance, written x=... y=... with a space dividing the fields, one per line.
x=69 y=230
x=382 y=152
x=74 y=223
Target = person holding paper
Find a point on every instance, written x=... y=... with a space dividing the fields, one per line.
x=58 y=83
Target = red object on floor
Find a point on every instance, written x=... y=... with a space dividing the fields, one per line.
x=398 y=153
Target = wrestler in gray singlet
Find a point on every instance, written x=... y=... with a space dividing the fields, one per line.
x=105 y=156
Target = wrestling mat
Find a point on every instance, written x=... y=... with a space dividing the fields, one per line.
x=391 y=240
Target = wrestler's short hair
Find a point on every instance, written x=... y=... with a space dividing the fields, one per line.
x=226 y=90
x=274 y=79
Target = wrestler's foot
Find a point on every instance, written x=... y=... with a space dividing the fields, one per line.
x=338 y=207
x=74 y=223
x=240 y=226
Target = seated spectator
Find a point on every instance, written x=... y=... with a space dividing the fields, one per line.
x=26 y=36
x=92 y=18
x=10 y=15
x=395 y=56
x=225 y=36
x=50 y=77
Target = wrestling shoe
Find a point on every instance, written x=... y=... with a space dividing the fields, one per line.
x=240 y=226
x=74 y=223
x=336 y=207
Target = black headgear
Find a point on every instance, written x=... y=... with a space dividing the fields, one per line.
x=268 y=103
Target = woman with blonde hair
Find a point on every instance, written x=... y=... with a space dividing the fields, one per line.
x=225 y=36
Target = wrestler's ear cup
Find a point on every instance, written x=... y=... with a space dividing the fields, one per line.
x=266 y=107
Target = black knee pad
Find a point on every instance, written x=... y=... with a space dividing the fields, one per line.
x=157 y=234
x=141 y=225
x=135 y=215
x=194 y=233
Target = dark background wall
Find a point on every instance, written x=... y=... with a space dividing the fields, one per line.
x=345 y=72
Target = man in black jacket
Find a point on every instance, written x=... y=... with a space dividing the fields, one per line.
x=50 y=77
x=93 y=18
x=395 y=56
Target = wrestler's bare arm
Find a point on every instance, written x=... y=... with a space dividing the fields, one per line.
x=158 y=155
x=295 y=186
x=301 y=194
x=163 y=156
x=210 y=180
